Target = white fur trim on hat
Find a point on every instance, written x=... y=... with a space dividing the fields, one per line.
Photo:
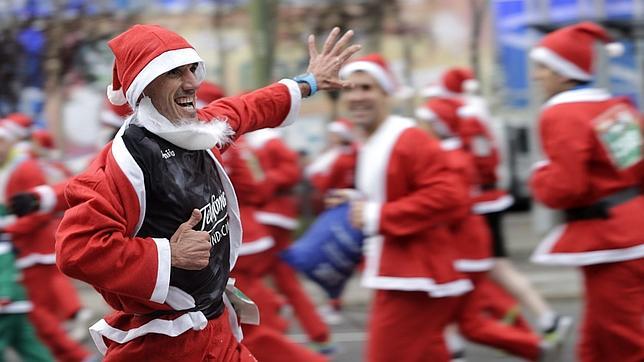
x=116 y=97
x=560 y=65
x=425 y=114
x=615 y=49
x=164 y=62
x=374 y=70
x=471 y=86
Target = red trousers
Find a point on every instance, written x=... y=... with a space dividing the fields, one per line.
x=51 y=290
x=266 y=341
x=613 y=324
x=477 y=326
x=289 y=285
x=215 y=343
x=408 y=326
x=55 y=300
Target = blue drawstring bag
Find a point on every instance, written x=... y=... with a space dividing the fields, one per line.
x=329 y=250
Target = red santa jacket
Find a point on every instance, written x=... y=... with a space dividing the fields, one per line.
x=410 y=191
x=471 y=235
x=333 y=169
x=592 y=143
x=107 y=205
x=478 y=141
x=33 y=235
x=241 y=164
x=281 y=174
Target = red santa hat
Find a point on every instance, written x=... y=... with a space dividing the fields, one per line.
x=569 y=51
x=374 y=65
x=342 y=127
x=15 y=126
x=454 y=81
x=443 y=113
x=208 y=92
x=142 y=53
x=43 y=138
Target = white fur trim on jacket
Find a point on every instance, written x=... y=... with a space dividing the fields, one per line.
x=275 y=219
x=48 y=198
x=34 y=259
x=17 y=307
x=544 y=255
x=371 y=218
x=160 y=292
x=256 y=246
x=296 y=101
x=579 y=95
x=257 y=139
x=474 y=265
x=487 y=207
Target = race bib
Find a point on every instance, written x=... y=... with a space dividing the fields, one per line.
x=619 y=132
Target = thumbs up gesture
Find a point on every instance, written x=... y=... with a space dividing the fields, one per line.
x=190 y=249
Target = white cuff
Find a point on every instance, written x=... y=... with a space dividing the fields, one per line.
x=539 y=164
x=160 y=292
x=371 y=218
x=296 y=101
x=48 y=198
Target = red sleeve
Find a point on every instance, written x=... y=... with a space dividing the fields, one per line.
x=271 y=106
x=563 y=181
x=25 y=177
x=94 y=241
x=435 y=193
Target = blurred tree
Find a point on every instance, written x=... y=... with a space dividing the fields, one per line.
x=264 y=21
x=478 y=10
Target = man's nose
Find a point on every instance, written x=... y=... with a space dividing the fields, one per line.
x=190 y=81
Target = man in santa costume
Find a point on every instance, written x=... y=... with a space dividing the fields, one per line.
x=404 y=197
x=153 y=223
x=592 y=171
x=491 y=201
x=53 y=296
x=279 y=214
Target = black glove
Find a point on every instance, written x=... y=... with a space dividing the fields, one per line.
x=24 y=203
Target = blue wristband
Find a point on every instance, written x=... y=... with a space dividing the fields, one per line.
x=309 y=79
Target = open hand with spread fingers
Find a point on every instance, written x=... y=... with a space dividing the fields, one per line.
x=325 y=65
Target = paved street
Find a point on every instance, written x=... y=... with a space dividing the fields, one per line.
x=560 y=286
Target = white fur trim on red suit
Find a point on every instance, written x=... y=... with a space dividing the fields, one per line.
x=374 y=70
x=132 y=171
x=160 y=292
x=257 y=139
x=296 y=101
x=579 y=95
x=48 y=198
x=17 y=307
x=256 y=246
x=560 y=65
x=194 y=320
x=539 y=164
x=234 y=220
x=451 y=144
x=275 y=219
x=232 y=318
x=544 y=255
x=474 y=265
x=322 y=164
x=371 y=218
x=34 y=259
x=487 y=207
x=163 y=63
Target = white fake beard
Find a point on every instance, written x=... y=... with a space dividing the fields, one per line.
x=188 y=134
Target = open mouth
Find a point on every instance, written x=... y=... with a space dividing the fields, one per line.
x=187 y=103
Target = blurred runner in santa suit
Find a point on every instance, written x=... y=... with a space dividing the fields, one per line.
x=593 y=172
x=157 y=206
x=404 y=194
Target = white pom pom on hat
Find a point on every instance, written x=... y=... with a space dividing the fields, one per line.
x=615 y=49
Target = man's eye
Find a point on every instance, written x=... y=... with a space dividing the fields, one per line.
x=174 y=72
x=193 y=67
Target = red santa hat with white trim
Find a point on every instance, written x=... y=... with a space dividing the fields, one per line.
x=15 y=126
x=376 y=66
x=569 y=51
x=442 y=113
x=142 y=53
x=342 y=127
x=453 y=82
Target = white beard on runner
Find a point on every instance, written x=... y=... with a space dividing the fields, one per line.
x=188 y=134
